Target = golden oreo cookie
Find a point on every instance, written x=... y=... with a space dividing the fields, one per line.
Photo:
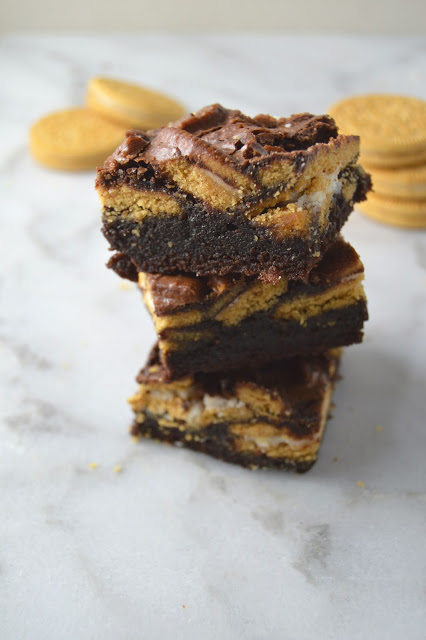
x=392 y=127
x=392 y=161
x=74 y=139
x=407 y=183
x=395 y=211
x=132 y=105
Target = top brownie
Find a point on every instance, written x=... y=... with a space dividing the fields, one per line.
x=219 y=192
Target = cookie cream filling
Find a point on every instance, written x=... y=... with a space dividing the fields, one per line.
x=265 y=444
x=316 y=199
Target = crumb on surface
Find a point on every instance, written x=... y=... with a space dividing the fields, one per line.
x=117 y=468
x=361 y=484
x=379 y=428
x=93 y=465
x=335 y=459
x=125 y=285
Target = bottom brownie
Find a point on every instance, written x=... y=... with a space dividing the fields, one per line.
x=269 y=417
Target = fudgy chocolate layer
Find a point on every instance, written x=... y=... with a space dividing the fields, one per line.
x=261 y=338
x=210 y=243
x=243 y=140
x=216 y=442
x=123 y=267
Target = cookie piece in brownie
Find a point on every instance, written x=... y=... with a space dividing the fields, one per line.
x=271 y=417
x=214 y=323
x=219 y=192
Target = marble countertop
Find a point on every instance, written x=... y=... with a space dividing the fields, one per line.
x=178 y=545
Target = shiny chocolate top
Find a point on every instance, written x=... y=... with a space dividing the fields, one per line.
x=241 y=139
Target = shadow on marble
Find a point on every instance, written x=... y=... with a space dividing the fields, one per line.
x=368 y=426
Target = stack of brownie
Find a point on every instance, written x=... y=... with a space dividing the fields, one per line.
x=230 y=225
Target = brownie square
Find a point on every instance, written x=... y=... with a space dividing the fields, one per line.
x=269 y=417
x=218 y=192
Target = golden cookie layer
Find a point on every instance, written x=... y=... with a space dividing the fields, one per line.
x=327 y=171
x=389 y=125
x=74 y=139
x=233 y=307
x=132 y=105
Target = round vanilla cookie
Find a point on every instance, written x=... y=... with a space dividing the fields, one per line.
x=74 y=139
x=392 y=161
x=132 y=105
x=407 y=183
x=392 y=127
x=395 y=211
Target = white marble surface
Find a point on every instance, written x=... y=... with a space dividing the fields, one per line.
x=178 y=545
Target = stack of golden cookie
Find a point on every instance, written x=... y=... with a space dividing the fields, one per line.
x=81 y=138
x=393 y=150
